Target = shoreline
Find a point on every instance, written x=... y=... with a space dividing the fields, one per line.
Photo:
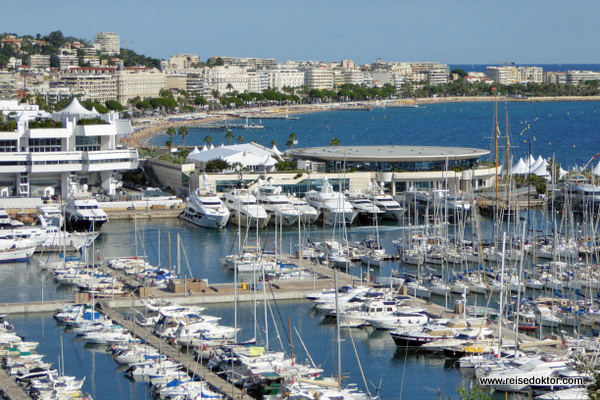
x=150 y=127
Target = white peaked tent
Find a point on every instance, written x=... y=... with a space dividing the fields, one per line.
x=75 y=108
x=275 y=150
x=519 y=168
x=561 y=172
x=268 y=161
x=541 y=169
x=204 y=148
x=537 y=163
x=211 y=146
x=530 y=162
x=596 y=169
x=195 y=151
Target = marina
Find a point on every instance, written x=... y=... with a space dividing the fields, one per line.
x=440 y=259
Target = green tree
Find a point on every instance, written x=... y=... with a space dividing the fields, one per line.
x=334 y=142
x=240 y=139
x=208 y=140
x=114 y=105
x=292 y=139
x=229 y=137
x=475 y=393
x=171 y=133
x=460 y=72
x=200 y=101
x=183 y=132
x=273 y=142
x=216 y=165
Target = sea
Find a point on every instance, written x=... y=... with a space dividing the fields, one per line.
x=564 y=129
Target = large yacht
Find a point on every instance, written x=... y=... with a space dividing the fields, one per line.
x=308 y=214
x=390 y=207
x=205 y=209
x=276 y=204
x=364 y=206
x=334 y=207
x=83 y=214
x=245 y=210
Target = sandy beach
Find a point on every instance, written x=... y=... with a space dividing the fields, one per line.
x=146 y=128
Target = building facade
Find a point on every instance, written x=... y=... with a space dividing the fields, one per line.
x=142 y=82
x=38 y=159
x=108 y=43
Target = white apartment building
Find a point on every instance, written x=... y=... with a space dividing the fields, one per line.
x=225 y=79
x=319 y=78
x=108 y=43
x=530 y=74
x=285 y=77
x=36 y=161
x=142 y=82
x=244 y=62
x=556 y=77
x=93 y=82
x=349 y=76
x=576 y=77
x=435 y=73
x=67 y=61
x=503 y=75
x=183 y=61
x=39 y=61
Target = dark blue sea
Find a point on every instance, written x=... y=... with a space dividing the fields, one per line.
x=567 y=130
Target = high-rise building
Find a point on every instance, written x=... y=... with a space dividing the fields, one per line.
x=108 y=43
x=142 y=82
x=319 y=78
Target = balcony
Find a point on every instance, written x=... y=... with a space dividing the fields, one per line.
x=57 y=161
x=108 y=160
x=49 y=133
x=95 y=130
x=13 y=162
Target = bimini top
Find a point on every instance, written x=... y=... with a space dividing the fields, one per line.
x=387 y=153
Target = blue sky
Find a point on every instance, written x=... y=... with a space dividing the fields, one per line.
x=454 y=32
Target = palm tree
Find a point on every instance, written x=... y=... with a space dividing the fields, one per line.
x=207 y=140
x=240 y=139
x=334 y=142
x=183 y=131
x=273 y=142
x=171 y=132
x=229 y=136
x=292 y=139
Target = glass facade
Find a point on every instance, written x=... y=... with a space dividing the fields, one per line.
x=44 y=145
x=87 y=143
x=299 y=189
x=8 y=146
x=401 y=166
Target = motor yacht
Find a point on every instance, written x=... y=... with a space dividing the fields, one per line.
x=276 y=204
x=245 y=210
x=332 y=205
x=83 y=214
x=205 y=209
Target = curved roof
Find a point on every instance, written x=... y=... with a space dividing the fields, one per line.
x=387 y=153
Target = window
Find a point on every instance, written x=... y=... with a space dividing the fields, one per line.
x=44 y=145
x=7 y=146
x=87 y=143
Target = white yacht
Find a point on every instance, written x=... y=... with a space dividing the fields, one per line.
x=390 y=207
x=276 y=204
x=245 y=211
x=205 y=209
x=308 y=214
x=334 y=207
x=52 y=214
x=83 y=214
x=365 y=208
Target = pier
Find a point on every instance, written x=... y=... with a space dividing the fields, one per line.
x=192 y=367
x=9 y=388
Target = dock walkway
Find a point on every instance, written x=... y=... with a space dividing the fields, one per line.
x=9 y=388
x=189 y=363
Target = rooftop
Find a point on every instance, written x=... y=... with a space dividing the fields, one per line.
x=388 y=153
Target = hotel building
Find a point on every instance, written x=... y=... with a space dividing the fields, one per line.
x=44 y=158
x=108 y=43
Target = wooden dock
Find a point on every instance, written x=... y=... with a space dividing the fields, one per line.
x=10 y=389
x=189 y=363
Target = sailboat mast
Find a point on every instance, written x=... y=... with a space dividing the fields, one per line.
x=337 y=329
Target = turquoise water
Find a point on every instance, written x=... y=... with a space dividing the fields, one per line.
x=564 y=129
